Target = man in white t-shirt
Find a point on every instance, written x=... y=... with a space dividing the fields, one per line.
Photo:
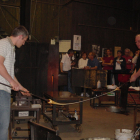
x=65 y=66
x=7 y=59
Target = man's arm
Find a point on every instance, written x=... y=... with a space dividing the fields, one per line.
x=133 y=67
x=5 y=75
x=94 y=68
x=134 y=59
x=135 y=75
x=61 y=66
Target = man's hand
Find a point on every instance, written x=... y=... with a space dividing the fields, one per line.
x=26 y=92
x=61 y=67
x=72 y=64
x=15 y=85
x=87 y=67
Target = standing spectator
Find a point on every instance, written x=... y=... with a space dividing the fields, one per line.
x=107 y=63
x=128 y=59
x=83 y=61
x=65 y=66
x=119 y=66
x=93 y=62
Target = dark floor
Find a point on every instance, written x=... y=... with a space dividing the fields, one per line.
x=96 y=123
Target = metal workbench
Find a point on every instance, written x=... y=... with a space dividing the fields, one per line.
x=56 y=110
x=35 y=113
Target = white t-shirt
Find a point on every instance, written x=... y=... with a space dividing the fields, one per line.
x=7 y=50
x=118 y=66
x=66 y=62
x=82 y=63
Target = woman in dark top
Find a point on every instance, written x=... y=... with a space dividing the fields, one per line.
x=107 y=63
x=119 y=66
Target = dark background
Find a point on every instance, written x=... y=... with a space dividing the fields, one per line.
x=107 y=23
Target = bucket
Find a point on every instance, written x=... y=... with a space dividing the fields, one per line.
x=123 y=134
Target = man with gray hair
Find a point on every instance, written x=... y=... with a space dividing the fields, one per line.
x=128 y=59
x=136 y=73
x=65 y=67
x=7 y=60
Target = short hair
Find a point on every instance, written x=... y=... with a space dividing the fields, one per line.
x=83 y=53
x=109 y=50
x=70 y=51
x=119 y=51
x=137 y=35
x=20 y=30
x=127 y=49
x=93 y=54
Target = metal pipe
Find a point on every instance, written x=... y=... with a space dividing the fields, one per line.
x=56 y=3
x=100 y=5
x=47 y=100
x=106 y=28
x=25 y=92
x=49 y=3
x=4 y=5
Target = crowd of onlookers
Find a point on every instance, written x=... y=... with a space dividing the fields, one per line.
x=120 y=67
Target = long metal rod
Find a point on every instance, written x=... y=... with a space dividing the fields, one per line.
x=47 y=100
x=25 y=92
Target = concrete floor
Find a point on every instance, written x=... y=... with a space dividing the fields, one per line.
x=96 y=123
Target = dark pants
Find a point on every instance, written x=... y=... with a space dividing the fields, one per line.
x=116 y=72
x=109 y=77
x=68 y=87
x=124 y=94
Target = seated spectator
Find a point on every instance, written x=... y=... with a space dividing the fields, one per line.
x=128 y=59
x=107 y=63
x=93 y=62
x=119 y=66
x=82 y=63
